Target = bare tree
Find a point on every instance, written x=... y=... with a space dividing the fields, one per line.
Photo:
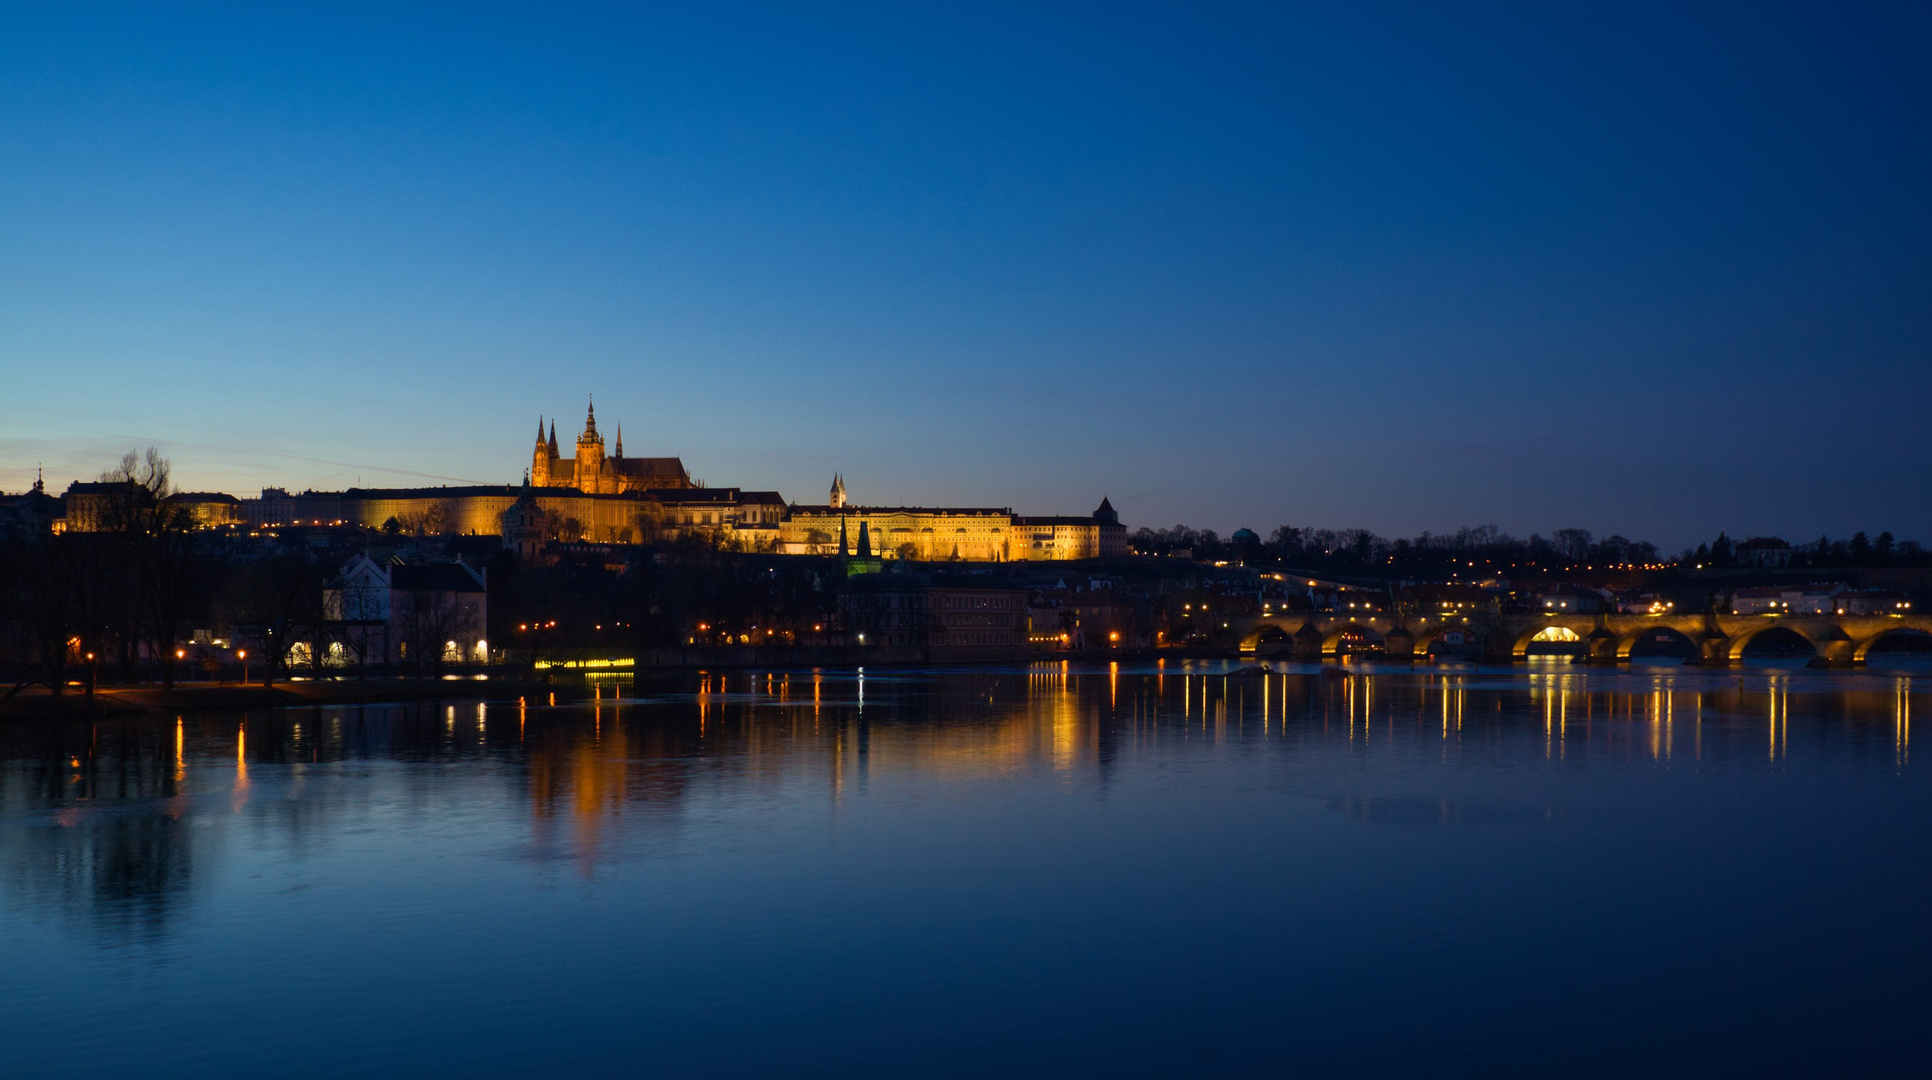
x=277 y=600
x=361 y=618
x=430 y=619
x=167 y=580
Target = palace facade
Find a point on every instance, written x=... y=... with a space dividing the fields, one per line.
x=948 y=534
x=614 y=499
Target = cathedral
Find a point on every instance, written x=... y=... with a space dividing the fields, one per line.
x=593 y=473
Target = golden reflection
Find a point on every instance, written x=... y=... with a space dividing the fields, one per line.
x=1549 y=713
x=1065 y=713
x=241 y=766
x=1563 y=718
x=180 y=752
x=1780 y=715
x=1044 y=723
x=1902 y=720
x=1670 y=718
x=1652 y=714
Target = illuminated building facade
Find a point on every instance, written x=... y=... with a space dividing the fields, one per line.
x=592 y=472
x=950 y=534
x=613 y=499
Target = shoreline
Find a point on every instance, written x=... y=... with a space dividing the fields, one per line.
x=194 y=697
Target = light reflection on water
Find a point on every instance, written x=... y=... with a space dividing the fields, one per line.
x=1146 y=870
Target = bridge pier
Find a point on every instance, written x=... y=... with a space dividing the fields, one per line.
x=1399 y=644
x=1713 y=648
x=1836 y=649
x=1308 y=642
x=1602 y=646
x=1499 y=647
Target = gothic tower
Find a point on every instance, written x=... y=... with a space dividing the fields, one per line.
x=590 y=456
x=838 y=490
x=540 y=459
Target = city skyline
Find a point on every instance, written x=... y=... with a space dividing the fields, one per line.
x=1295 y=267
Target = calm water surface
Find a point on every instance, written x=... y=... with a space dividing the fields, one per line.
x=1143 y=872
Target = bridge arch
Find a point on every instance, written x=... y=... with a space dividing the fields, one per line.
x=1654 y=635
x=1251 y=629
x=1360 y=635
x=1269 y=639
x=1743 y=639
x=1897 y=633
x=1427 y=636
x=1553 y=632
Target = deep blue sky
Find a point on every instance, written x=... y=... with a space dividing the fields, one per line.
x=1651 y=271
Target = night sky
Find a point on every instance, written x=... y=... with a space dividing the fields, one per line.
x=1652 y=271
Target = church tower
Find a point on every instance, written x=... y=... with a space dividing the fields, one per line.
x=590 y=456
x=838 y=490
x=540 y=459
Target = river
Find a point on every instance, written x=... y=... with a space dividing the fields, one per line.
x=1148 y=870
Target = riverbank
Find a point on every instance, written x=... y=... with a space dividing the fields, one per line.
x=37 y=703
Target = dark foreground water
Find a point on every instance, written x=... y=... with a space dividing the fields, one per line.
x=968 y=874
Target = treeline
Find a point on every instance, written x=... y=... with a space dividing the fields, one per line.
x=116 y=597
x=1860 y=550
x=1428 y=555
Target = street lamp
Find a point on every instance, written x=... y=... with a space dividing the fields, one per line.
x=243 y=655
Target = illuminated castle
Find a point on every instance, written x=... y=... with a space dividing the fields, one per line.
x=592 y=472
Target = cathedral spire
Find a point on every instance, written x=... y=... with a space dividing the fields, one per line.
x=539 y=432
x=838 y=490
x=620 y=440
x=553 y=438
x=590 y=418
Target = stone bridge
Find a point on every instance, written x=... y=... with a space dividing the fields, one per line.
x=1715 y=640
